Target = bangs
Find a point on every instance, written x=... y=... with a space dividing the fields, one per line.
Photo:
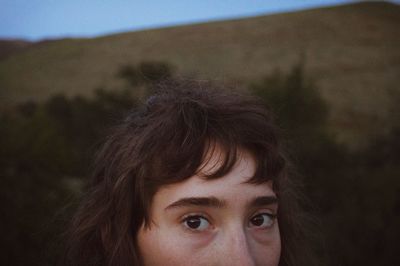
x=196 y=133
x=220 y=157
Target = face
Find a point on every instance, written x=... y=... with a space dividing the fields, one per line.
x=225 y=221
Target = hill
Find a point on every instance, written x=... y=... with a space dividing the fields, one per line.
x=351 y=52
x=9 y=47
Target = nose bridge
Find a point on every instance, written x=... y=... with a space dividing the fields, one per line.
x=238 y=248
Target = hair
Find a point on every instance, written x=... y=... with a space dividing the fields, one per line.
x=165 y=141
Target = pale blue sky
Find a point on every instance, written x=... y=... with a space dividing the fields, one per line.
x=40 y=19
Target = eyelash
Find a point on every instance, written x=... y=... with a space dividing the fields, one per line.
x=270 y=215
x=187 y=218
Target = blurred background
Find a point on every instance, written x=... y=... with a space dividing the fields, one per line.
x=330 y=70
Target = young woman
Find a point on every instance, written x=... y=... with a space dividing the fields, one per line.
x=196 y=176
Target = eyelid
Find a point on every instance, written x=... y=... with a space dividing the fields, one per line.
x=190 y=214
x=265 y=211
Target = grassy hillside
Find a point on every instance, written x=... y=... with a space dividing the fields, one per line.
x=9 y=47
x=351 y=51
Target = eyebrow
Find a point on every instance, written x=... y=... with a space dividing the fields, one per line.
x=195 y=201
x=218 y=203
x=263 y=201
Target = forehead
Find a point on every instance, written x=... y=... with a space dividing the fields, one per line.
x=231 y=187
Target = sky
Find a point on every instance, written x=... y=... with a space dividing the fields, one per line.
x=52 y=19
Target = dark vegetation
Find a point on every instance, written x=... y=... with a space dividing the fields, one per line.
x=356 y=193
x=46 y=150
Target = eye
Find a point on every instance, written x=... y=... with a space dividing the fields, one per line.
x=262 y=220
x=196 y=223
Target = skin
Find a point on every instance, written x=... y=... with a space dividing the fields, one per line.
x=225 y=221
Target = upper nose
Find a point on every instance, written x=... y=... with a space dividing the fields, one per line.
x=238 y=252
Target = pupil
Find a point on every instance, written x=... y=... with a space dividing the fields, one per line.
x=194 y=223
x=258 y=220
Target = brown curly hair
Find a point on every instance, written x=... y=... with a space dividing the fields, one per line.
x=164 y=142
